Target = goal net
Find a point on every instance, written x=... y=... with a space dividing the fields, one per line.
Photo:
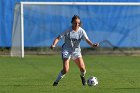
x=37 y=24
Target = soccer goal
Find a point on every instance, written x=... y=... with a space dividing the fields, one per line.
x=36 y=24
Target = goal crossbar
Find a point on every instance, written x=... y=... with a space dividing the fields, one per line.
x=84 y=3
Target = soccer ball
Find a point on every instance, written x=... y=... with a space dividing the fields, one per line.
x=92 y=81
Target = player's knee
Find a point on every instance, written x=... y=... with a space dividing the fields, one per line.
x=82 y=69
x=65 y=70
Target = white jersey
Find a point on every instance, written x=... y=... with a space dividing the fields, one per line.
x=72 y=39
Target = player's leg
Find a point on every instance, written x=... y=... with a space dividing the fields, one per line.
x=62 y=72
x=77 y=57
x=66 y=60
x=80 y=63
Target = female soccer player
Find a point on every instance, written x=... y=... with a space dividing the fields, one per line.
x=71 y=48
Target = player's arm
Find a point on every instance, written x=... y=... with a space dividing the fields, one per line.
x=62 y=35
x=92 y=44
x=55 y=42
x=85 y=37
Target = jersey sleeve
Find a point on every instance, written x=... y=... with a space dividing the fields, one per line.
x=84 y=35
x=63 y=34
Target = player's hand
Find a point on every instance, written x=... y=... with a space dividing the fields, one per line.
x=52 y=47
x=95 y=45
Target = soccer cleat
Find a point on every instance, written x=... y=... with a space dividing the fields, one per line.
x=55 y=84
x=83 y=80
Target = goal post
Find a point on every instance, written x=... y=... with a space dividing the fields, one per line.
x=17 y=35
x=18 y=40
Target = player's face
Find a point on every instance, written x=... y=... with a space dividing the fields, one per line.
x=76 y=23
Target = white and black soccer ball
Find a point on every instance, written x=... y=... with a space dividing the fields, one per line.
x=92 y=81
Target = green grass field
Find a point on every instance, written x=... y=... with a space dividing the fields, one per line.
x=35 y=74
